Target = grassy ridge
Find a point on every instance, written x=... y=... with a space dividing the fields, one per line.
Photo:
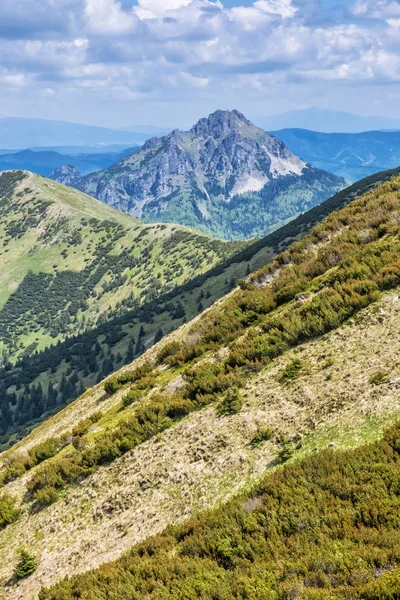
x=69 y=264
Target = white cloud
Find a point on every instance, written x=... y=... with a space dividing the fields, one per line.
x=149 y=9
x=283 y=8
x=376 y=9
x=107 y=17
x=175 y=50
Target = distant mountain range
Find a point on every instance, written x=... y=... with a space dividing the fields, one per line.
x=328 y=121
x=28 y=133
x=225 y=176
x=46 y=161
x=349 y=155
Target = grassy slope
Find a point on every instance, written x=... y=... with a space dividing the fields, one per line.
x=325 y=528
x=48 y=228
x=82 y=352
x=204 y=459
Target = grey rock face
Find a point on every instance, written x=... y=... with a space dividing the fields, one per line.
x=66 y=174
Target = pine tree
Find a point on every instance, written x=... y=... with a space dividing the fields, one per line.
x=27 y=564
x=130 y=352
x=159 y=335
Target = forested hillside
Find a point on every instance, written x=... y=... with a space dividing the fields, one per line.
x=68 y=262
x=44 y=382
x=303 y=355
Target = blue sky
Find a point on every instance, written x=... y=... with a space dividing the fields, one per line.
x=169 y=62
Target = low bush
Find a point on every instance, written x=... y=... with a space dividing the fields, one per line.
x=26 y=565
x=231 y=404
x=9 y=512
x=291 y=371
x=379 y=378
x=262 y=435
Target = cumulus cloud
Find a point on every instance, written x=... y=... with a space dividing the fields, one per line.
x=376 y=9
x=149 y=9
x=165 y=49
x=107 y=17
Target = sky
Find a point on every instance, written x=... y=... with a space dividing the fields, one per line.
x=169 y=62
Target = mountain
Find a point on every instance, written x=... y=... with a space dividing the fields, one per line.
x=349 y=155
x=27 y=133
x=225 y=177
x=124 y=333
x=328 y=121
x=67 y=175
x=45 y=162
x=302 y=356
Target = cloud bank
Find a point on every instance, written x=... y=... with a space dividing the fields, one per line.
x=192 y=51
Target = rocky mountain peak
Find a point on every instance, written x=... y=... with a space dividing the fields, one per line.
x=221 y=123
x=225 y=176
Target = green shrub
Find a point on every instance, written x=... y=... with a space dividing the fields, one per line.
x=286 y=452
x=291 y=371
x=9 y=513
x=27 y=564
x=263 y=435
x=46 y=496
x=131 y=397
x=46 y=449
x=231 y=404
x=83 y=426
x=15 y=468
x=379 y=378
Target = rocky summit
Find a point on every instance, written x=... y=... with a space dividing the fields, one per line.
x=67 y=174
x=224 y=176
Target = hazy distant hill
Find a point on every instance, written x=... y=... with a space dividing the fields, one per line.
x=319 y=119
x=350 y=155
x=29 y=133
x=44 y=162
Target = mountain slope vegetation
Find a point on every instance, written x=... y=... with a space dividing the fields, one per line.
x=225 y=176
x=305 y=350
x=68 y=264
x=43 y=382
x=326 y=527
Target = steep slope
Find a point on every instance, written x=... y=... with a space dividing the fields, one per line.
x=225 y=176
x=351 y=156
x=303 y=355
x=42 y=383
x=327 y=528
